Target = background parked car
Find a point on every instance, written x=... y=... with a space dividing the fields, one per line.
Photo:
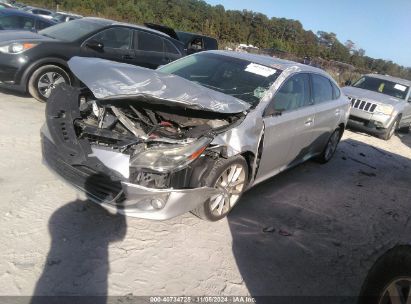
x=39 y=11
x=193 y=42
x=46 y=54
x=12 y=19
x=380 y=104
x=65 y=17
x=5 y=5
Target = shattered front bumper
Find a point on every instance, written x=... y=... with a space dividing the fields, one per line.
x=119 y=195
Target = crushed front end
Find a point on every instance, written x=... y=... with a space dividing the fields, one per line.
x=140 y=157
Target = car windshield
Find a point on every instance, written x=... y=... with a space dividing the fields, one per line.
x=239 y=78
x=382 y=86
x=72 y=31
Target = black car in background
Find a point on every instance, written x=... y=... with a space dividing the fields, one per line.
x=193 y=42
x=38 y=62
x=12 y=19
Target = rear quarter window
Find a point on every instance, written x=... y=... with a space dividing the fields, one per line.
x=322 y=89
x=336 y=91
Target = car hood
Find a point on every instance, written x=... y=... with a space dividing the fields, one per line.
x=10 y=36
x=113 y=80
x=370 y=95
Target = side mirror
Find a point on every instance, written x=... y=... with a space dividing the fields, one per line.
x=348 y=83
x=95 y=45
x=273 y=112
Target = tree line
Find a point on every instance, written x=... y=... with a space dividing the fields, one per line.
x=232 y=27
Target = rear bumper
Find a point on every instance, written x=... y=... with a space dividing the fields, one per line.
x=119 y=195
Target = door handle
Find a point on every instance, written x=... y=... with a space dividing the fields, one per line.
x=337 y=112
x=128 y=57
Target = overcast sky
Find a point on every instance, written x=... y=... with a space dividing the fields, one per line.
x=381 y=27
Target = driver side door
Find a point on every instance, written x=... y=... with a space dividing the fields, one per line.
x=116 y=42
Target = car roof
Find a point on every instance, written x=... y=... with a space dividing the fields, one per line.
x=108 y=22
x=14 y=12
x=270 y=61
x=391 y=78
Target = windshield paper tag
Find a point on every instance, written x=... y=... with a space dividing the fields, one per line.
x=400 y=87
x=260 y=70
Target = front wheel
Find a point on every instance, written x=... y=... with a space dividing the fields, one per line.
x=389 y=132
x=230 y=177
x=45 y=79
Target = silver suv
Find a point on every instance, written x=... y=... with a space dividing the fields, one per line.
x=380 y=104
x=191 y=136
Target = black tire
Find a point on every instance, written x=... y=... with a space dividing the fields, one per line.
x=325 y=156
x=406 y=129
x=39 y=74
x=389 y=132
x=394 y=265
x=204 y=210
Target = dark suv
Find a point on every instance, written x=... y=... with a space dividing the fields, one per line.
x=38 y=62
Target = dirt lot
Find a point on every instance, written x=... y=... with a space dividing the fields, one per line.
x=314 y=230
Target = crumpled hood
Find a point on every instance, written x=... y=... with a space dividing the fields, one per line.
x=113 y=80
x=370 y=95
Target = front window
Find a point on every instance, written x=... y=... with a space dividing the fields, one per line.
x=239 y=78
x=382 y=86
x=71 y=31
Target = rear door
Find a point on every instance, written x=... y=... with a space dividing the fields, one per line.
x=288 y=122
x=328 y=110
x=117 y=43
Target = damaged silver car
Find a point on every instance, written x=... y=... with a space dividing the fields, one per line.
x=191 y=136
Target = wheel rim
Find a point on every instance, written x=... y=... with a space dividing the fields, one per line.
x=231 y=183
x=48 y=81
x=332 y=145
x=397 y=292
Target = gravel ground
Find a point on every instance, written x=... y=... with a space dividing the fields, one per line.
x=313 y=230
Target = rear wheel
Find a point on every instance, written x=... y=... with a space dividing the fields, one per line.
x=330 y=147
x=230 y=177
x=45 y=79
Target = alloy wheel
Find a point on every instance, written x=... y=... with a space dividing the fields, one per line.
x=48 y=81
x=397 y=292
x=231 y=183
x=332 y=145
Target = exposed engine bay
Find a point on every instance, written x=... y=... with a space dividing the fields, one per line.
x=123 y=124
x=144 y=142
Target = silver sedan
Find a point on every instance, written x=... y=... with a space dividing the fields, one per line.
x=192 y=135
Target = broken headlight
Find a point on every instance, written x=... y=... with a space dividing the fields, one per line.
x=171 y=157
